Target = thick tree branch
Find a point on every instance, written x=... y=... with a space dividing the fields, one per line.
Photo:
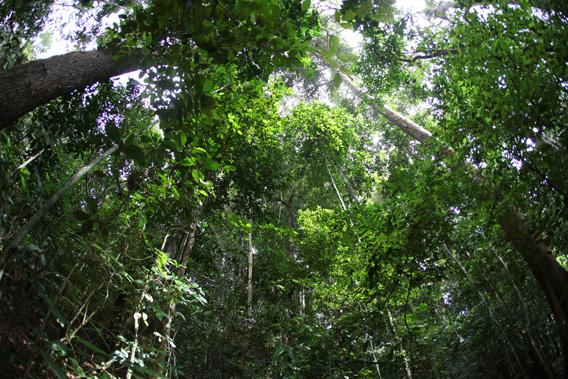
x=430 y=55
x=26 y=87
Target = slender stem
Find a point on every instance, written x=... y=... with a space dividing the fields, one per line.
x=24 y=231
x=375 y=358
x=334 y=186
x=351 y=191
x=250 y=261
x=27 y=162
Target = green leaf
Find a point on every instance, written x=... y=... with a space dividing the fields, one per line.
x=377 y=17
x=334 y=43
x=306 y=5
x=210 y=164
x=349 y=15
x=195 y=175
x=338 y=16
x=347 y=57
x=135 y=153
x=162 y=260
x=208 y=102
x=150 y=372
x=365 y=8
x=199 y=150
x=53 y=366
x=208 y=86
x=91 y=346
x=171 y=145
x=337 y=80
x=92 y=204
x=277 y=354
x=187 y=162
x=81 y=215
x=142 y=222
x=112 y=131
x=99 y=334
x=87 y=226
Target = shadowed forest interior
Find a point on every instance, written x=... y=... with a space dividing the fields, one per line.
x=283 y=189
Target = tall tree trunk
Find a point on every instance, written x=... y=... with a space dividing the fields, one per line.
x=188 y=245
x=551 y=276
x=249 y=288
x=403 y=352
x=168 y=320
x=354 y=196
x=25 y=87
x=288 y=204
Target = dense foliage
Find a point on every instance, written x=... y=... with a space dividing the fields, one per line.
x=194 y=226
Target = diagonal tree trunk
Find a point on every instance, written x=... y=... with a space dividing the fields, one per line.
x=26 y=229
x=26 y=87
x=551 y=276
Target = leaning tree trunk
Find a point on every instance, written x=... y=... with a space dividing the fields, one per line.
x=25 y=87
x=551 y=276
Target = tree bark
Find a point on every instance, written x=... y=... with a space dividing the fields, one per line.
x=249 y=289
x=25 y=87
x=188 y=246
x=403 y=353
x=551 y=276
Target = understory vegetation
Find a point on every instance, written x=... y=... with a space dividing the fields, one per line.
x=268 y=200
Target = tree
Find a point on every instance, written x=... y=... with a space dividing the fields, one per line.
x=469 y=143
x=373 y=254
x=163 y=36
x=27 y=86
